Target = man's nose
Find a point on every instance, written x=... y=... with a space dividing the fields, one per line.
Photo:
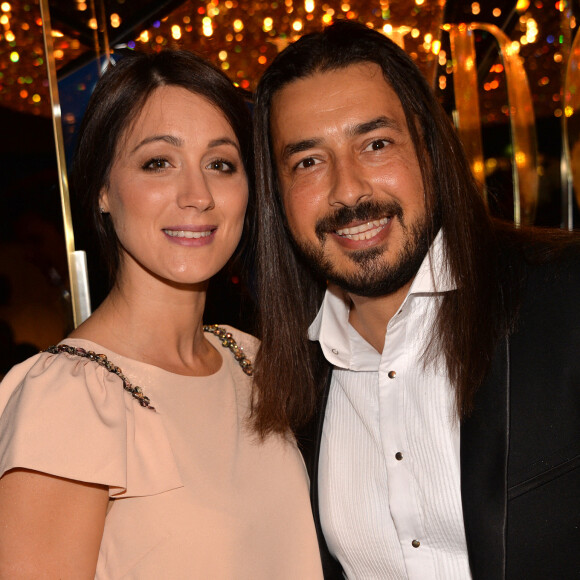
x=349 y=186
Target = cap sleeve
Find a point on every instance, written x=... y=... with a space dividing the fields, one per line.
x=67 y=416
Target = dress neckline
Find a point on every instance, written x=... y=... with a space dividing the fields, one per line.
x=115 y=357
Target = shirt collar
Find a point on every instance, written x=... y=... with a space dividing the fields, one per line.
x=433 y=275
x=331 y=327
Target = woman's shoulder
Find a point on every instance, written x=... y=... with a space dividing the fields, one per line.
x=66 y=412
x=55 y=368
x=248 y=343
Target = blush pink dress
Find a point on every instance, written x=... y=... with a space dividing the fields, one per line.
x=193 y=492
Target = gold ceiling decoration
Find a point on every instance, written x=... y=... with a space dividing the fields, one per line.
x=242 y=37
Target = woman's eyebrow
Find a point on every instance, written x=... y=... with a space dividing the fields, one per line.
x=223 y=141
x=171 y=139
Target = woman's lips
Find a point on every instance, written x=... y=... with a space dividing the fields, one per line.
x=191 y=235
x=188 y=233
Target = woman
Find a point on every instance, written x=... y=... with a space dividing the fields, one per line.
x=145 y=464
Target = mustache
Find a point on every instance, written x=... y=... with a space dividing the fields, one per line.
x=365 y=211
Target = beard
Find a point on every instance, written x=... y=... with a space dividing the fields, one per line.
x=373 y=275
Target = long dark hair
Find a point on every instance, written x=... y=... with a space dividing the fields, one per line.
x=118 y=98
x=290 y=368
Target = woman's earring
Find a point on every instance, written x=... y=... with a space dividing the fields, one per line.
x=102 y=210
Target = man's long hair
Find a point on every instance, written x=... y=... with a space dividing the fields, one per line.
x=290 y=369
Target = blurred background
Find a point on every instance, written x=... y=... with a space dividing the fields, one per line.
x=506 y=71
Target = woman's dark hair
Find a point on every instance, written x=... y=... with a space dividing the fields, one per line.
x=117 y=100
x=290 y=369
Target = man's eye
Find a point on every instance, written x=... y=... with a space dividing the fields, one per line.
x=377 y=144
x=156 y=164
x=306 y=163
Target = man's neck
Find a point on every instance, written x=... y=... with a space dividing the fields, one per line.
x=370 y=316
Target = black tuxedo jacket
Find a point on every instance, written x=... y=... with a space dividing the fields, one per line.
x=520 y=449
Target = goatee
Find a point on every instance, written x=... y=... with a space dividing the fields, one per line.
x=374 y=276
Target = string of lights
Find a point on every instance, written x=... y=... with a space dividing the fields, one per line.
x=242 y=37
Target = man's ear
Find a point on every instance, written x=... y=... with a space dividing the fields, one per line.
x=104 y=200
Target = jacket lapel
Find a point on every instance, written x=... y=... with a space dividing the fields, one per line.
x=484 y=456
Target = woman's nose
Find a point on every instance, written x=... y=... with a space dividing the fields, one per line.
x=194 y=192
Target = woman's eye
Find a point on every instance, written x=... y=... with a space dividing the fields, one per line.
x=221 y=165
x=156 y=164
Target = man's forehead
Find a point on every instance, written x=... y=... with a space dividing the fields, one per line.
x=366 y=68
x=353 y=94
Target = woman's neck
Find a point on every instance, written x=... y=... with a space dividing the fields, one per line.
x=154 y=322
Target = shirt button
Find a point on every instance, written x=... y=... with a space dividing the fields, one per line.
x=392 y=374
x=415 y=543
x=398 y=456
x=334 y=351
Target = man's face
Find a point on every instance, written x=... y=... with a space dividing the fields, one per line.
x=349 y=178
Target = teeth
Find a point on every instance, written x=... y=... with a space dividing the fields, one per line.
x=187 y=234
x=364 y=231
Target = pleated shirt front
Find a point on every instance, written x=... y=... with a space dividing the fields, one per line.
x=389 y=473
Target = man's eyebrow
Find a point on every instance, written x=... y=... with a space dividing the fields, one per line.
x=378 y=123
x=171 y=139
x=299 y=147
x=354 y=131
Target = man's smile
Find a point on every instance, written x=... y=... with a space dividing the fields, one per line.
x=362 y=222
x=364 y=231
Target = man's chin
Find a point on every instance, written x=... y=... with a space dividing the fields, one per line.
x=369 y=272
x=382 y=282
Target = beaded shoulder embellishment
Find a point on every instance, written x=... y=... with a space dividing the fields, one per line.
x=101 y=359
x=228 y=342
x=226 y=338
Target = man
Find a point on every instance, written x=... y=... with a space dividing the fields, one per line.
x=447 y=442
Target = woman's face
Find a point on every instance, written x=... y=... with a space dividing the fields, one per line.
x=177 y=190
